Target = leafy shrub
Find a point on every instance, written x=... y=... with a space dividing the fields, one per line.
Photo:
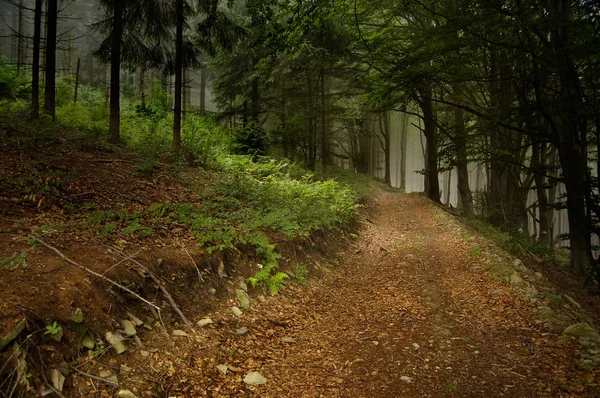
x=250 y=140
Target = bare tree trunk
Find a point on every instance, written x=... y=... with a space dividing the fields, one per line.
x=114 y=134
x=50 y=89
x=178 y=73
x=20 y=38
x=143 y=86
x=324 y=149
x=203 y=88
x=77 y=80
x=466 y=197
x=431 y=134
x=35 y=68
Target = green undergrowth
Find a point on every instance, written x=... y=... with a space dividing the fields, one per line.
x=518 y=244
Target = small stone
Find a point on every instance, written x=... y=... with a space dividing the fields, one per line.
x=241 y=331
x=538 y=275
x=135 y=319
x=179 y=333
x=147 y=327
x=254 y=379
x=243 y=286
x=416 y=346
x=223 y=369
x=64 y=368
x=109 y=375
x=144 y=354
x=515 y=278
x=262 y=298
x=125 y=370
x=497 y=291
x=243 y=298
x=582 y=331
x=287 y=339
x=517 y=262
x=129 y=328
x=77 y=316
x=405 y=379
x=115 y=342
x=88 y=342
x=204 y=322
x=236 y=311
x=159 y=261
x=126 y=394
x=13 y=333
x=58 y=380
x=212 y=291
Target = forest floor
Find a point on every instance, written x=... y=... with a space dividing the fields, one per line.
x=416 y=305
x=412 y=311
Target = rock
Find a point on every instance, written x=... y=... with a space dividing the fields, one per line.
x=538 y=275
x=135 y=319
x=77 y=316
x=236 y=311
x=243 y=286
x=573 y=302
x=223 y=369
x=531 y=291
x=126 y=394
x=517 y=262
x=212 y=291
x=144 y=354
x=204 y=322
x=287 y=339
x=516 y=279
x=221 y=270
x=159 y=261
x=416 y=346
x=64 y=369
x=179 y=333
x=243 y=298
x=58 y=380
x=58 y=335
x=13 y=333
x=582 y=331
x=241 y=331
x=88 y=342
x=125 y=370
x=109 y=375
x=262 y=298
x=129 y=328
x=115 y=342
x=497 y=291
x=254 y=379
x=405 y=379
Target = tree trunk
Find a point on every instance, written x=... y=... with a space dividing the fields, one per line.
x=50 y=89
x=77 y=80
x=35 y=68
x=431 y=134
x=203 y=88
x=143 y=86
x=178 y=73
x=20 y=39
x=324 y=149
x=114 y=134
x=466 y=197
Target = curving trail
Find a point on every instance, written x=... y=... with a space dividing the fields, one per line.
x=409 y=301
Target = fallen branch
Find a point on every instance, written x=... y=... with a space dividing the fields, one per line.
x=94 y=377
x=61 y=255
x=162 y=288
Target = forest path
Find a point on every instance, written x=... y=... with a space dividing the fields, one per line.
x=409 y=313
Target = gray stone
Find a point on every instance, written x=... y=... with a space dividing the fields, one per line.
x=77 y=316
x=582 y=331
x=115 y=343
x=236 y=311
x=242 y=331
x=128 y=326
x=242 y=285
x=517 y=262
x=58 y=335
x=531 y=291
x=212 y=291
x=204 y=322
x=64 y=368
x=287 y=339
x=255 y=379
x=262 y=298
x=179 y=333
x=88 y=342
x=539 y=275
x=58 y=380
x=223 y=368
x=125 y=370
x=243 y=298
x=13 y=333
x=109 y=375
x=135 y=319
x=405 y=379
x=126 y=394
x=144 y=354
x=516 y=279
